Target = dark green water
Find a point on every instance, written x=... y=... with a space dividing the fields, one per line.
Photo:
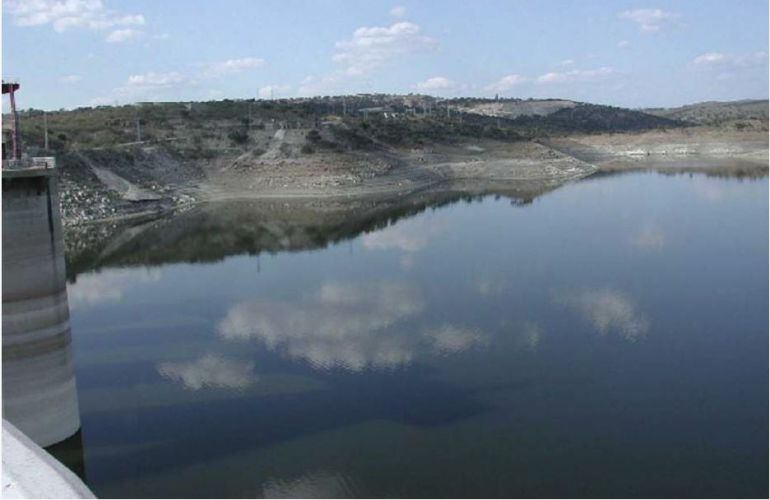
x=608 y=339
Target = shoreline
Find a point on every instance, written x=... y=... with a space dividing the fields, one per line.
x=138 y=187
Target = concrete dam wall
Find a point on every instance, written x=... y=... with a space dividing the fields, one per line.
x=39 y=392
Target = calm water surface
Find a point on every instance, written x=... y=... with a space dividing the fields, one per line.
x=608 y=339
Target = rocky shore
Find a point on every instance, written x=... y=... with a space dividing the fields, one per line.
x=103 y=186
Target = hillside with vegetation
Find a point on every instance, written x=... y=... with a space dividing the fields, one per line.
x=207 y=129
x=746 y=114
x=153 y=157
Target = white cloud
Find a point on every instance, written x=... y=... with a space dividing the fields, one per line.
x=107 y=286
x=567 y=62
x=322 y=85
x=650 y=20
x=210 y=371
x=435 y=83
x=63 y=15
x=70 y=78
x=152 y=85
x=709 y=58
x=722 y=61
x=398 y=11
x=147 y=86
x=608 y=311
x=122 y=35
x=156 y=80
x=231 y=66
x=349 y=326
x=371 y=48
x=624 y=44
x=506 y=83
x=273 y=91
x=732 y=68
x=590 y=75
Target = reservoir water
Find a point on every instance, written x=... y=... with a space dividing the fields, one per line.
x=608 y=338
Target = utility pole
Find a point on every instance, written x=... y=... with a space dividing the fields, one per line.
x=45 y=130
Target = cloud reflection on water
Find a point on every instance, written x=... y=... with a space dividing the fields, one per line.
x=450 y=339
x=607 y=310
x=649 y=237
x=349 y=326
x=212 y=371
x=409 y=236
x=107 y=286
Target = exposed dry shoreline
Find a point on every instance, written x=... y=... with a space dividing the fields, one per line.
x=111 y=186
x=704 y=148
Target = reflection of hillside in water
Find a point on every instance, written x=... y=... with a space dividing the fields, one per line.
x=213 y=231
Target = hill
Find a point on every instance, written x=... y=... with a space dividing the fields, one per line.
x=735 y=114
x=207 y=129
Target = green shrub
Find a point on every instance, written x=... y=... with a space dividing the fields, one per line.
x=238 y=137
x=314 y=136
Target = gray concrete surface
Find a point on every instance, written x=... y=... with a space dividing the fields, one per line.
x=30 y=472
x=39 y=393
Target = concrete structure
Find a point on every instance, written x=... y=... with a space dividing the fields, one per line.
x=30 y=472
x=39 y=393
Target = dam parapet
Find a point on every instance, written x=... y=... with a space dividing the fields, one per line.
x=29 y=167
x=39 y=391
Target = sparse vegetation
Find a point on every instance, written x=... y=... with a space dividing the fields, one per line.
x=238 y=137
x=740 y=115
x=412 y=120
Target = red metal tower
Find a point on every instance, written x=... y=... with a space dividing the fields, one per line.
x=10 y=88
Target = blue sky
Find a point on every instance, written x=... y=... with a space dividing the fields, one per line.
x=70 y=53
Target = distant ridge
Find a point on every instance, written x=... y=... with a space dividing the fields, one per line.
x=717 y=112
